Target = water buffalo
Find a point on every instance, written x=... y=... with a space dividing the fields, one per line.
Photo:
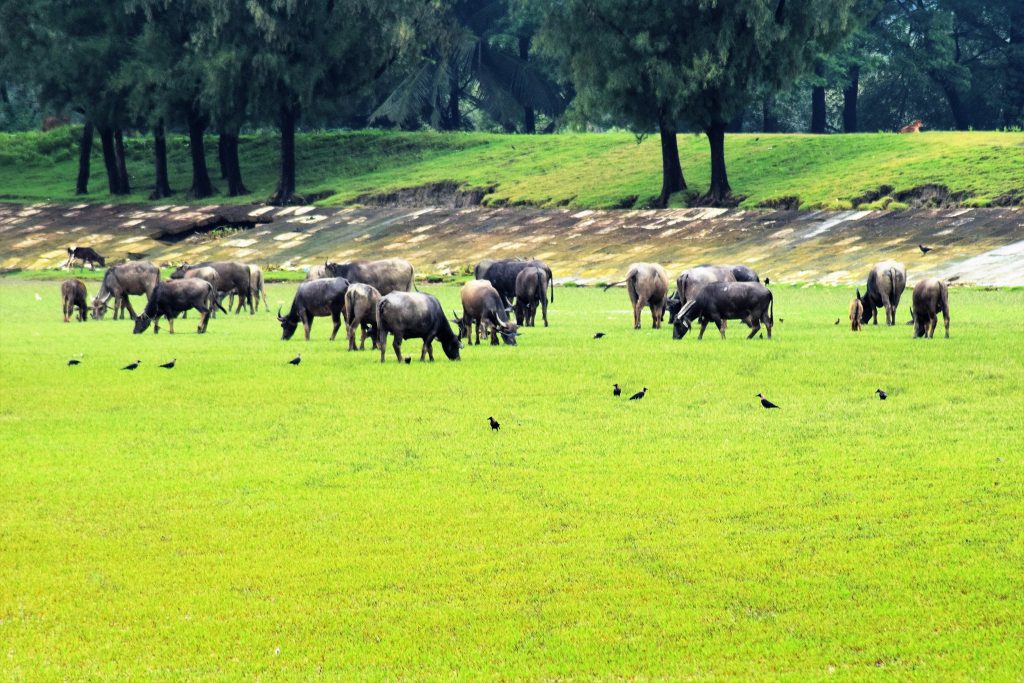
x=856 y=313
x=930 y=297
x=256 y=288
x=691 y=282
x=417 y=315
x=318 y=272
x=744 y=273
x=315 y=298
x=135 y=277
x=886 y=283
x=232 y=276
x=481 y=305
x=361 y=311
x=72 y=296
x=85 y=255
x=531 y=290
x=647 y=284
x=750 y=302
x=502 y=274
x=172 y=297
x=389 y=275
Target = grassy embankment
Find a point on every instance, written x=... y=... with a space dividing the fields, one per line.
x=577 y=170
x=238 y=516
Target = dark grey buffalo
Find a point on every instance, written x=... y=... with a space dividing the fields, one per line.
x=414 y=315
x=502 y=274
x=531 y=291
x=886 y=283
x=389 y=275
x=647 y=285
x=481 y=306
x=172 y=297
x=930 y=297
x=135 y=277
x=232 y=276
x=72 y=296
x=315 y=298
x=750 y=302
x=690 y=282
x=361 y=311
x=744 y=274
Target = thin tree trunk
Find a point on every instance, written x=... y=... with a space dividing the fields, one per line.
x=123 y=186
x=109 y=159
x=671 y=171
x=286 y=185
x=769 y=121
x=454 y=113
x=84 y=157
x=201 y=185
x=221 y=154
x=961 y=117
x=818 y=109
x=234 y=171
x=719 y=188
x=850 y=93
x=162 y=186
x=529 y=118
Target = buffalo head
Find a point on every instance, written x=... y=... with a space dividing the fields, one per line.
x=869 y=308
x=180 y=272
x=142 y=323
x=99 y=308
x=288 y=325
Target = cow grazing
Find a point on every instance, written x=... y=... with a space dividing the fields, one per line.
x=232 y=276
x=85 y=255
x=482 y=306
x=690 y=283
x=203 y=273
x=72 y=296
x=414 y=315
x=531 y=291
x=856 y=312
x=315 y=298
x=750 y=302
x=502 y=275
x=930 y=297
x=886 y=283
x=135 y=277
x=172 y=297
x=647 y=285
x=361 y=311
x=389 y=275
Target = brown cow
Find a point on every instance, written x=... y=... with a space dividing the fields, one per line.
x=930 y=297
x=361 y=311
x=914 y=127
x=73 y=295
x=647 y=284
x=856 y=313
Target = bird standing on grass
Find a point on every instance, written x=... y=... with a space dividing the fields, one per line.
x=296 y=360
x=767 y=281
x=924 y=249
x=74 y=361
x=836 y=322
x=408 y=360
x=638 y=395
x=169 y=364
x=494 y=424
x=598 y=335
x=616 y=390
x=882 y=395
x=765 y=402
x=132 y=366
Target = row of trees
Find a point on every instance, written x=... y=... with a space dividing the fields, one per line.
x=202 y=66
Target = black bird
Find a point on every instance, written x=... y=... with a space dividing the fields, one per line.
x=296 y=360
x=638 y=395
x=924 y=249
x=836 y=322
x=169 y=364
x=765 y=402
x=598 y=335
x=74 y=361
x=767 y=281
x=132 y=366
x=494 y=424
x=781 y=321
x=408 y=359
x=881 y=394
x=616 y=390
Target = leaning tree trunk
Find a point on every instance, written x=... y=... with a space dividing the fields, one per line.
x=671 y=170
x=286 y=184
x=719 y=189
x=162 y=186
x=123 y=186
x=529 y=117
x=818 y=109
x=201 y=185
x=84 y=157
x=232 y=169
x=850 y=101
x=110 y=159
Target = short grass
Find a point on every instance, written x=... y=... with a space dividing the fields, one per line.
x=593 y=170
x=238 y=517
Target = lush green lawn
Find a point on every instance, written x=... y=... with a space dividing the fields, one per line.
x=239 y=517
x=578 y=170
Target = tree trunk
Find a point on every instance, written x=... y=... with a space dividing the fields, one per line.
x=719 y=188
x=529 y=118
x=454 y=117
x=229 y=142
x=161 y=187
x=671 y=171
x=123 y=186
x=201 y=185
x=109 y=159
x=961 y=117
x=818 y=109
x=850 y=100
x=769 y=121
x=286 y=185
x=84 y=157
x=221 y=154
x=735 y=125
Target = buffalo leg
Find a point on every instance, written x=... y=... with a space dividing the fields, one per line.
x=397 y=346
x=67 y=311
x=544 y=310
x=720 y=324
x=945 y=320
x=933 y=322
x=703 y=326
x=307 y=323
x=337 y=324
x=382 y=339
x=753 y=329
x=127 y=304
x=170 y=324
x=350 y=331
x=768 y=322
x=638 y=308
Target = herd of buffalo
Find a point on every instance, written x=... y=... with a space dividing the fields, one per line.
x=379 y=298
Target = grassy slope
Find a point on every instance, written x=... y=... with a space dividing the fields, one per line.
x=238 y=516
x=581 y=170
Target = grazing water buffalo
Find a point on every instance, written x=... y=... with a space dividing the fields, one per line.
x=389 y=275
x=315 y=298
x=172 y=297
x=232 y=276
x=856 y=313
x=85 y=255
x=135 y=277
x=750 y=302
x=531 y=290
x=930 y=297
x=691 y=282
x=886 y=283
x=481 y=305
x=415 y=315
x=502 y=274
x=361 y=311
x=72 y=296
x=647 y=284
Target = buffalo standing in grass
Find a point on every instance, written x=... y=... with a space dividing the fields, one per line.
x=172 y=297
x=690 y=282
x=647 y=285
x=135 y=277
x=531 y=291
x=256 y=288
x=886 y=283
x=85 y=255
x=502 y=275
x=361 y=311
x=232 y=276
x=318 y=272
x=414 y=315
x=930 y=297
x=856 y=313
x=72 y=296
x=389 y=275
x=315 y=298
x=481 y=306
x=750 y=302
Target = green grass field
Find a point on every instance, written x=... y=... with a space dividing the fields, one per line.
x=238 y=517
x=593 y=170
